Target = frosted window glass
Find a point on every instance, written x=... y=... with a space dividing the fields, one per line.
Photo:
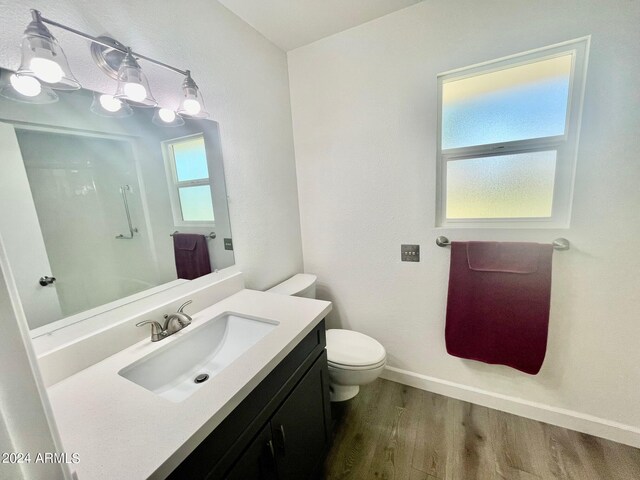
x=191 y=160
x=506 y=186
x=516 y=103
x=196 y=203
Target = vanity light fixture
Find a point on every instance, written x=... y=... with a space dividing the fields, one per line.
x=165 y=117
x=26 y=86
x=132 y=83
x=43 y=58
x=44 y=61
x=192 y=104
x=22 y=88
x=107 y=105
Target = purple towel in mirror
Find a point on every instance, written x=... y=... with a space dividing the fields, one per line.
x=192 y=255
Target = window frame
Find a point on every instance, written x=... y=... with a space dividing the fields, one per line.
x=566 y=145
x=174 y=184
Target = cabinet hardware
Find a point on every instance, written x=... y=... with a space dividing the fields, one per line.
x=283 y=440
x=271 y=449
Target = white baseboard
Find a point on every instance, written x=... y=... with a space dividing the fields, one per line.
x=561 y=417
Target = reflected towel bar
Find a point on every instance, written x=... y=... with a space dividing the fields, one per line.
x=558 y=243
x=211 y=235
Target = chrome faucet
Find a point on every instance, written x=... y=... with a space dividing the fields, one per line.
x=173 y=323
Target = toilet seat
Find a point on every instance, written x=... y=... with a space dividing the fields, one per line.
x=360 y=367
x=351 y=350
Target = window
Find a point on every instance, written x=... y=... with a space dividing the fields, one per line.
x=189 y=182
x=507 y=142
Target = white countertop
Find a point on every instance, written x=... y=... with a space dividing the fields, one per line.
x=121 y=430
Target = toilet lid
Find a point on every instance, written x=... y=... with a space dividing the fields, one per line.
x=347 y=347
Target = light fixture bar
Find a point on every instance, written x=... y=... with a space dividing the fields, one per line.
x=91 y=38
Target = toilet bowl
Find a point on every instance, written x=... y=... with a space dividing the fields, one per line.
x=353 y=358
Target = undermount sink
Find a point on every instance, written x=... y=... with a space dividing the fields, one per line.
x=184 y=365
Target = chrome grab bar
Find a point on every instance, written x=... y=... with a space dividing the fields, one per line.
x=123 y=190
x=558 y=243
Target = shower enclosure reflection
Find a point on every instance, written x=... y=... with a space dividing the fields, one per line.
x=77 y=187
x=92 y=202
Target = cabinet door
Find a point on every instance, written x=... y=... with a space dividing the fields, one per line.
x=258 y=460
x=299 y=427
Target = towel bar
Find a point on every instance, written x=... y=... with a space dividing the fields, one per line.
x=212 y=235
x=558 y=243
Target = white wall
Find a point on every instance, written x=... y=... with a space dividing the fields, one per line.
x=364 y=115
x=243 y=78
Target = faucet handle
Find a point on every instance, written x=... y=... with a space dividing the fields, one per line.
x=157 y=332
x=181 y=308
x=184 y=318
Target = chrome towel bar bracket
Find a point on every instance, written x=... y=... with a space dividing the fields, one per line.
x=558 y=243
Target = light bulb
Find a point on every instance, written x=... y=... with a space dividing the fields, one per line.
x=135 y=92
x=191 y=106
x=46 y=70
x=109 y=103
x=167 y=115
x=27 y=86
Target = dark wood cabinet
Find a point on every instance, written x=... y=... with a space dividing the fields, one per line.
x=298 y=427
x=281 y=431
x=293 y=443
x=258 y=461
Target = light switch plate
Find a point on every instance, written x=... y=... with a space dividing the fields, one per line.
x=410 y=253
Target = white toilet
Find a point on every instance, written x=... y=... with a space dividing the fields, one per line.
x=354 y=358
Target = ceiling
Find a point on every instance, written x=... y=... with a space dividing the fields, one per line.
x=293 y=23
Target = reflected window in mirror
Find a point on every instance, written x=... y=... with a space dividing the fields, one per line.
x=189 y=181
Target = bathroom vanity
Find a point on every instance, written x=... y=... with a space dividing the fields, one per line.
x=280 y=431
x=265 y=414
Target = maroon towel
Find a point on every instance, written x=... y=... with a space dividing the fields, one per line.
x=192 y=255
x=498 y=303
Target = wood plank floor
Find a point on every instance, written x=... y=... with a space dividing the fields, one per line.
x=391 y=431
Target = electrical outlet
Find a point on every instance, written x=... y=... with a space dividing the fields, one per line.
x=410 y=253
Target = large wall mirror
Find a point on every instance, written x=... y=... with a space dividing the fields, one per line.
x=93 y=199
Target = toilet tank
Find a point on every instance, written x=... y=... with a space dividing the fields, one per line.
x=300 y=285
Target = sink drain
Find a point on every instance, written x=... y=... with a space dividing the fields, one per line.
x=203 y=377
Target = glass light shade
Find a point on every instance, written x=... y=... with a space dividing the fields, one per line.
x=43 y=58
x=107 y=105
x=192 y=104
x=27 y=89
x=132 y=83
x=165 y=117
